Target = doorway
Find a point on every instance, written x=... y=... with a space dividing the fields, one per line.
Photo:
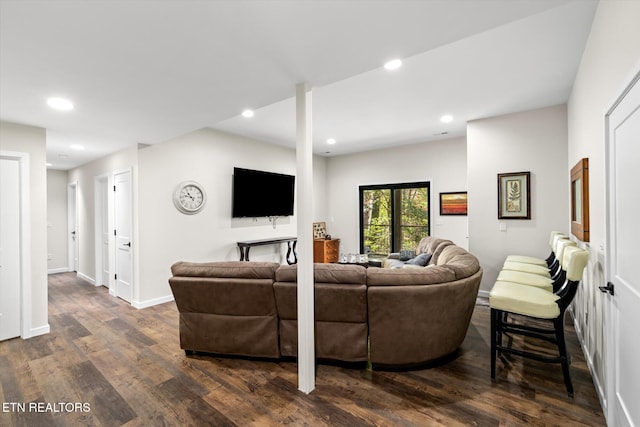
x=72 y=226
x=102 y=234
x=623 y=301
x=123 y=220
x=15 y=249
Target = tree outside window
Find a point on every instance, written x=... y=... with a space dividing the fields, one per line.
x=393 y=217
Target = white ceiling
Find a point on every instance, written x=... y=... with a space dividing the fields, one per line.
x=148 y=71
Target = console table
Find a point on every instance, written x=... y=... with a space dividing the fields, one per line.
x=290 y=241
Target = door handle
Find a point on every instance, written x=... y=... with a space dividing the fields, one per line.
x=127 y=244
x=608 y=288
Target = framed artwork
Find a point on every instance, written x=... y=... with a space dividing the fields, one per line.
x=514 y=195
x=453 y=203
x=319 y=230
x=580 y=200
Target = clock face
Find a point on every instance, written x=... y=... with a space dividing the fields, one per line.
x=189 y=197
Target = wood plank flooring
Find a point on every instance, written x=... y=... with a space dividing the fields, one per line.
x=126 y=367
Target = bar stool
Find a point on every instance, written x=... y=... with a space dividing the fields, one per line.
x=551 y=284
x=535 y=303
x=553 y=238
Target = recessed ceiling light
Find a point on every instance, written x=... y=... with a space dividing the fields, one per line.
x=331 y=141
x=447 y=118
x=60 y=104
x=393 y=64
x=77 y=147
x=247 y=113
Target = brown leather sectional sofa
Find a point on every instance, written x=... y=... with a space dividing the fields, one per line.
x=391 y=317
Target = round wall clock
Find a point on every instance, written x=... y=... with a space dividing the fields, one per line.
x=189 y=197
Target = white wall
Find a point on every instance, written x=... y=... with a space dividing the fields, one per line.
x=208 y=157
x=84 y=177
x=534 y=141
x=443 y=163
x=57 y=238
x=611 y=57
x=32 y=140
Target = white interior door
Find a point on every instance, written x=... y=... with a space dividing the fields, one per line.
x=102 y=234
x=123 y=217
x=10 y=279
x=623 y=253
x=72 y=226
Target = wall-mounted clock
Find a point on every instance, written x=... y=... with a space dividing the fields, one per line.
x=189 y=197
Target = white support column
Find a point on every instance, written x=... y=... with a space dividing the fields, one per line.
x=304 y=164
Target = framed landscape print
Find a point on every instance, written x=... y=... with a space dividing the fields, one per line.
x=453 y=203
x=514 y=195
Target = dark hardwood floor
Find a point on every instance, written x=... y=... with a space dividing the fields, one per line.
x=123 y=366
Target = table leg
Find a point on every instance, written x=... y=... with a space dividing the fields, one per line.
x=291 y=247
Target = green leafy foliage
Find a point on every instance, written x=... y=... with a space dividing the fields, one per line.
x=411 y=218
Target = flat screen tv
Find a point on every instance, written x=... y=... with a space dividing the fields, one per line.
x=258 y=193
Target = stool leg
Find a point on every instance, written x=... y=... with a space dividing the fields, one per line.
x=562 y=349
x=494 y=337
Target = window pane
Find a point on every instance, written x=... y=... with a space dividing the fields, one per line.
x=394 y=216
x=376 y=220
x=414 y=216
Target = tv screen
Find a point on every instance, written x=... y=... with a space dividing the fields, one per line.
x=259 y=193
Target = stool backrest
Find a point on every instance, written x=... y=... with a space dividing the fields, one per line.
x=561 y=244
x=552 y=237
x=574 y=261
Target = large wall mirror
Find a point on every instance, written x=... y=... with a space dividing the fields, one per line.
x=580 y=200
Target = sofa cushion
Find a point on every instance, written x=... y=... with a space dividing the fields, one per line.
x=433 y=245
x=406 y=265
x=234 y=297
x=230 y=269
x=421 y=260
x=406 y=255
x=461 y=262
x=392 y=263
x=333 y=302
x=409 y=276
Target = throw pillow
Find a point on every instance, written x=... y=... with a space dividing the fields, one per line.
x=406 y=255
x=421 y=260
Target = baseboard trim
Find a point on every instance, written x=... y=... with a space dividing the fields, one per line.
x=41 y=330
x=87 y=278
x=57 y=270
x=152 y=302
x=483 y=294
